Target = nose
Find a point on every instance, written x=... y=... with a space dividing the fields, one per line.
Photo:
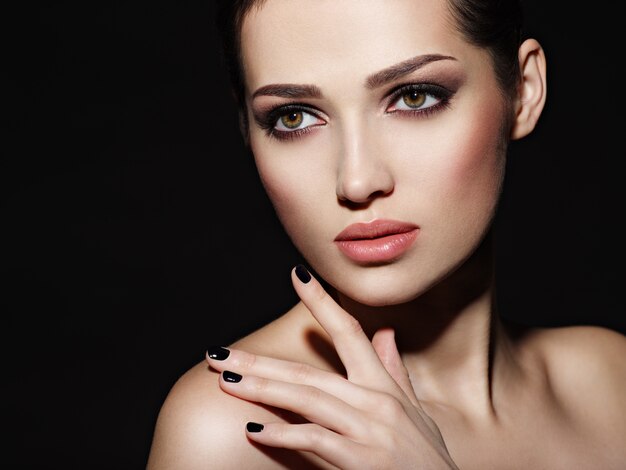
x=363 y=172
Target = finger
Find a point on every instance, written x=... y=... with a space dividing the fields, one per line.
x=311 y=403
x=384 y=344
x=328 y=445
x=245 y=363
x=351 y=343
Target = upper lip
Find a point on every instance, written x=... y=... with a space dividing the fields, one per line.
x=374 y=229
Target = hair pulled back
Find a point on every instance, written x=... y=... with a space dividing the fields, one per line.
x=495 y=25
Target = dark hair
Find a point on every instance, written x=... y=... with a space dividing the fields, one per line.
x=495 y=25
x=229 y=18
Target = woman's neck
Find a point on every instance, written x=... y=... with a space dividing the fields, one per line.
x=451 y=339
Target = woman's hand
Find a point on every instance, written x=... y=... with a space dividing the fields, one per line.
x=371 y=419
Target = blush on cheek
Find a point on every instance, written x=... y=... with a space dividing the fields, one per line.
x=285 y=192
x=274 y=184
x=297 y=176
x=279 y=191
x=478 y=166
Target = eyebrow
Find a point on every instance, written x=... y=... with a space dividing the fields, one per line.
x=403 y=68
x=289 y=90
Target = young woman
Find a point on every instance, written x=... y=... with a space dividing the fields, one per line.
x=380 y=132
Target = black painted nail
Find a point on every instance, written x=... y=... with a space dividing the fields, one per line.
x=254 y=427
x=218 y=353
x=231 y=376
x=303 y=274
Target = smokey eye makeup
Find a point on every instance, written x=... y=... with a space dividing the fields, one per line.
x=418 y=99
x=289 y=120
x=411 y=100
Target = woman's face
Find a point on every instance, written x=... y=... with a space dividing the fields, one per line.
x=375 y=113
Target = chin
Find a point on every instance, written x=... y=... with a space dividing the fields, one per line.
x=379 y=299
x=379 y=290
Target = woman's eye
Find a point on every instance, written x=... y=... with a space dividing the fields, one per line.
x=413 y=100
x=296 y=120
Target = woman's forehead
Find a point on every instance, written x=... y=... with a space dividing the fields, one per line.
x=305 y=40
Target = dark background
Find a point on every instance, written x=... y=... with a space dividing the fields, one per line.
x=135 y=232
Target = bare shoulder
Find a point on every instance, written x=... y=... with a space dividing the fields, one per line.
x=199 y=426
x=584 y=352
x=193 y=423
x=587 y=373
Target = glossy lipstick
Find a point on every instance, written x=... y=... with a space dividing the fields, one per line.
x=379 y=241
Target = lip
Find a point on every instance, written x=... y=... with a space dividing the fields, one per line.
x=379 y=241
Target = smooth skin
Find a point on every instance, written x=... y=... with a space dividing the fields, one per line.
x=402 y=364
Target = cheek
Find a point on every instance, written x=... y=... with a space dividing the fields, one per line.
x=469 y=160
x=478 y=168
x=283 y=171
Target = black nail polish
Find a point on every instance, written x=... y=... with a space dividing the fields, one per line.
x=254 y=427
x=231 y=377
x=303 y=274
x=218 y=353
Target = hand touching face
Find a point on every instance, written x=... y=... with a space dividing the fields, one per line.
x=369 y=419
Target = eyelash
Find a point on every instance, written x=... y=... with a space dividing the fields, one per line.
x=443 y=95
x=269 y=119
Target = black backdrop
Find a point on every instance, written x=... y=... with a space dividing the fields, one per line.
x=135 y=231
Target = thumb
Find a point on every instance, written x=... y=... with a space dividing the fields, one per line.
x=384 y=344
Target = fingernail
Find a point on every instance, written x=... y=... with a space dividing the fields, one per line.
x=218 y=353
x=231 y=377
x=254 y=427
x=303 y=274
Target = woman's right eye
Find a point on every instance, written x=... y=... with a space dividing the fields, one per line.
x=296 y=120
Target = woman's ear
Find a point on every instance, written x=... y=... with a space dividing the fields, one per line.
x=531 y=95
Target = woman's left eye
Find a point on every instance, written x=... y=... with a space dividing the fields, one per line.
x=418 y=99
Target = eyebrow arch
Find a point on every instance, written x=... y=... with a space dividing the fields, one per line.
x=403 y=68
x=288 y=90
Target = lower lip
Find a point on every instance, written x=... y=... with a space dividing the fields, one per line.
x=378 y=250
